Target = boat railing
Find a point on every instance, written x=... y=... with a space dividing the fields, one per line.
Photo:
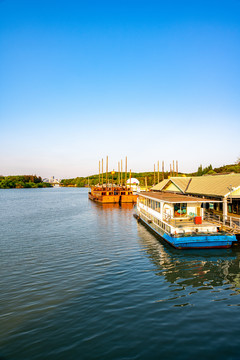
x=178 y=222
x=152 y=222
x=229 y=222
x=211 y=217
x=232 y=222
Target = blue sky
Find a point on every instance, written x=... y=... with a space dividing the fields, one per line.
x=153 y=80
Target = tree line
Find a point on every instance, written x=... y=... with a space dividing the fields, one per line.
x=94 y=179
x=149 y=176
x=225 y=169
x=22 y=181
x=33 y=181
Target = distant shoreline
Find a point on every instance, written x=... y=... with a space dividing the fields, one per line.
x=23 y=182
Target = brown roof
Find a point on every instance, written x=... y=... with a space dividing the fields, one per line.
x=174 y=198
x=209 y=185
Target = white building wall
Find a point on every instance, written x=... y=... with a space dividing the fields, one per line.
x=150 y=211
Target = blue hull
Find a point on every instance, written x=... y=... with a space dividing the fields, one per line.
x=196 y=242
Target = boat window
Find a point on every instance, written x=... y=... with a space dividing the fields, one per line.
x=158 y=206
x=234 y=207
x=216 y=206
x=180 y=210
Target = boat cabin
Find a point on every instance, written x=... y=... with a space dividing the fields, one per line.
x=112 y=194
x=176 y=213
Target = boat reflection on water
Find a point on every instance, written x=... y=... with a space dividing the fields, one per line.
x=113 y=206
x=124 y=206
x=196 y=268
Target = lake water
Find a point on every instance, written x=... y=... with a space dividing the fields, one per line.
x=83 y=281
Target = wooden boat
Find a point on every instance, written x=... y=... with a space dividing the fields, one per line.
x=112 y=194
x=180 y=221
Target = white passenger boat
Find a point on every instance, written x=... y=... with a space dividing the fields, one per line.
x=179 y=220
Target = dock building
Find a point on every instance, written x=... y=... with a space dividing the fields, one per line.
x=223 y=188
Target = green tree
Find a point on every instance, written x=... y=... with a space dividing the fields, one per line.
x=200 y=170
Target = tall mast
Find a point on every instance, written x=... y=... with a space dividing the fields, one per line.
x=118 y=172
x=107 y=171
x=102 y=172
x=126 y=173
x=99 y=172
x=130 y=179
x=121 y=172
x=154 y=175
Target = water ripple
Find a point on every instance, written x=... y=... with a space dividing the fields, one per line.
x=81 y=281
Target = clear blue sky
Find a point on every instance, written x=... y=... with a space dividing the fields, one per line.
x=154 y=80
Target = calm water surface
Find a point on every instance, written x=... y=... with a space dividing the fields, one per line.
x=83 y=281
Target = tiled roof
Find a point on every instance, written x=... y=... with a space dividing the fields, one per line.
x=209 y=185
x=181 y=182
x=161 y=185
x=216 y=185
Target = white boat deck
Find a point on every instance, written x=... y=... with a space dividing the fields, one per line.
x=181 y=223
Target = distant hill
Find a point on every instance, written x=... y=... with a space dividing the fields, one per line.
x=94 y=179
x=225 y=169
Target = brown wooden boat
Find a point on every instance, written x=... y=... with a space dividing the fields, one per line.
x=111 y=195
